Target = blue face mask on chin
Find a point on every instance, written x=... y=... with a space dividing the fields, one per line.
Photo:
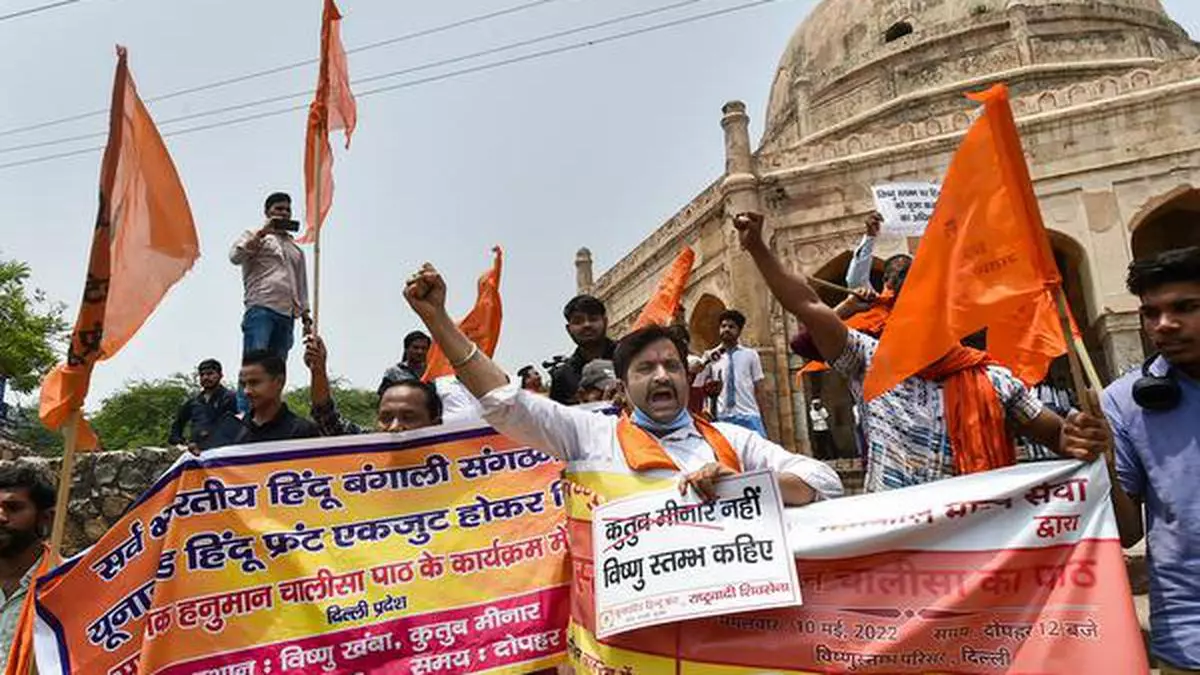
x=683 y=419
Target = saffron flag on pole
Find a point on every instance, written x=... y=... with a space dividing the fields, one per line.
x=143 y=242
x=662 y=305
x=333 y=108
x=984 y=261
x=1031 y=339
x=481 y=325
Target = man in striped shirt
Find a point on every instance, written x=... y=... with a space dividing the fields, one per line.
x=908 y=435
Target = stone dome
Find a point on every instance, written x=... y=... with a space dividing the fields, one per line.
x=852 y=62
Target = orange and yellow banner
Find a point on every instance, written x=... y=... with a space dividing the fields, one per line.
x=442 y=553
x=445 y=551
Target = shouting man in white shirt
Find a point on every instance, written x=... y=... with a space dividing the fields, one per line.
x=657 y=447
x=659 y=436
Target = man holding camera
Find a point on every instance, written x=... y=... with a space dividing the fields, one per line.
x=275 y=280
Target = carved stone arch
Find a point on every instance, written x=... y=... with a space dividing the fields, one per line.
x=1047 y=101
x=1072 y=261
x=1108 y=87
x=702 y=323
x=1140 y=79
x=1167 y=221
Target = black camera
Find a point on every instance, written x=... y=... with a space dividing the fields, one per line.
x=285 y=224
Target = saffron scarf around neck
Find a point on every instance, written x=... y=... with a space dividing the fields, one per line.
x=644 y=452
x=974 y=414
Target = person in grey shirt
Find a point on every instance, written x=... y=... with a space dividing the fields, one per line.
x=275 y=280
x=27 y=499
x=412 y=365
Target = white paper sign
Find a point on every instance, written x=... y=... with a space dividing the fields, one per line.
x=661 y=558
x=906 y=207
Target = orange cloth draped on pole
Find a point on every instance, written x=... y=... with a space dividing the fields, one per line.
x=333 y=108
x=661 y=307
x=20 y=653
x=144 y=241
x=984 y=256
x=481 y=325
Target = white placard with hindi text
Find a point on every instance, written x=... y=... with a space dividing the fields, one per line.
x=906 y=207
x=662 y=558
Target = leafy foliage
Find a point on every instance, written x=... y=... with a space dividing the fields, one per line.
x=27 y=430
x=140 y=415
x=30 y=329
x=358 y=405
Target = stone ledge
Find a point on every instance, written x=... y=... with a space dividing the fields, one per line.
x=105 y=484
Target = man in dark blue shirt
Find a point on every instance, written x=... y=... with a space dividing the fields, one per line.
x=203 y=410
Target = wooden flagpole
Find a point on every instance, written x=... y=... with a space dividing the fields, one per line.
x=830 y=285
x=1083 y=371
x=65 y=478
x=316 y=314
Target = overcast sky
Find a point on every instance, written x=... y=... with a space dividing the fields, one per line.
x=594 y=147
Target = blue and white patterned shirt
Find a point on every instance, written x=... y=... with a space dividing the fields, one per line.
x=905 y=429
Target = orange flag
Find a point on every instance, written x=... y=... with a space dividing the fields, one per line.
x=144 y=241
x=984 y=262
x=662 y=305
x=482 y=323
x=333 y=108
x=1031 y=339
x=20 y=652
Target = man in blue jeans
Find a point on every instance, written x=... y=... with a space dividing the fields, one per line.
x=734 y=374
x=275 y=280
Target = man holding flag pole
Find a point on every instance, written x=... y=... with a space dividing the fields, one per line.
x=332 y=108
x=934 y=408
x=143 y=242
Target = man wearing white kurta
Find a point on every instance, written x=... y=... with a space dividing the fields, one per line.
x=653 y=370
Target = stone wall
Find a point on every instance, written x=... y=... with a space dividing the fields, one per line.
x=105 y=484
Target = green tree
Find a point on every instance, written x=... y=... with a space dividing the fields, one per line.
x=31 y=329
x=27 y=430
x=140 y=415
x=357 y=405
